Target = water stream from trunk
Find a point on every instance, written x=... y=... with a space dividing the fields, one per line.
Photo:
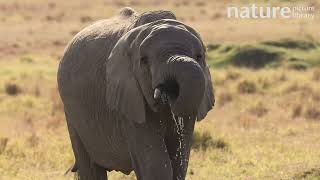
x=179 y=122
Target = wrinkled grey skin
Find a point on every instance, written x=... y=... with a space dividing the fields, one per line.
x=107 y=81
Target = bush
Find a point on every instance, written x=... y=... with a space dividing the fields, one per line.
x=300 y=66
x=12 y=89
x=259 y=110
x=312 y=113
x=254 y=56
x=224 y=98
x=204 y=140
x=313 y=173
x=297 y=111
x=292 y=44
x=247 y=87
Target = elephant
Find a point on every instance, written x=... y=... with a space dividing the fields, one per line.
x=133 y=87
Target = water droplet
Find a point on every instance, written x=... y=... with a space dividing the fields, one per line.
x=179 y=122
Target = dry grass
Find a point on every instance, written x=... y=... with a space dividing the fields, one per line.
x=246 y=86
x=316 y=75
x=312 y=112
x=45 y=27
x=268 y=135
x=224 y=98
x=203 y=141
x=297 y=111
x=258 y=109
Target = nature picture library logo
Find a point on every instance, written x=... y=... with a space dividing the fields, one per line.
x=270 y=12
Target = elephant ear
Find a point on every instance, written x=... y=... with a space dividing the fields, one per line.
x=123 y=92
x=208 y=99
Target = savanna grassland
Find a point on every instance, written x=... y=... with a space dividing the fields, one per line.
x=266 y=75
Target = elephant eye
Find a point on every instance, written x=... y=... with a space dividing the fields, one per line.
x=144 y=60
x=198 y=57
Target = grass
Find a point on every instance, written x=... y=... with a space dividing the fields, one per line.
x=204 y=141
x=24 y=30
x=310 y=174
x=268 y=134
x=246 y=86
x=291 y=53
x=288 y=43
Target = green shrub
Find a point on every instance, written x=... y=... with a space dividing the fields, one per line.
x=211 y=46
x=292 y=44
x=254 y=56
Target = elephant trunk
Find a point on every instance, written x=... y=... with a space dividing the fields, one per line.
x=182 y=82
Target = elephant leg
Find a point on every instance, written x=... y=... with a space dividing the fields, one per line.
x=149 y=154
x=178 y=145
x=86 y=169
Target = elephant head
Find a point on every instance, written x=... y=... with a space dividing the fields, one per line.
x=157 y=65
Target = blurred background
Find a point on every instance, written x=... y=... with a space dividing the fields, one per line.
x=266 y=75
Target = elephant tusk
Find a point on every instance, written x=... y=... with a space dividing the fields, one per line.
x=157 y=93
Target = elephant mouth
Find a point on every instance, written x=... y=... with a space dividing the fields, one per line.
x=166 y=92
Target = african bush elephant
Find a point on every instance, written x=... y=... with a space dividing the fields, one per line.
x=133 y=87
